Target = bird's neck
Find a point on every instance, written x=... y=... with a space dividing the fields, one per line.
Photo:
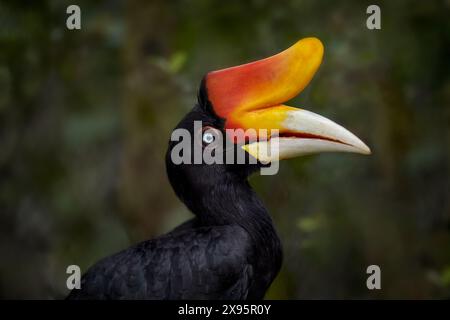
x=235 y=202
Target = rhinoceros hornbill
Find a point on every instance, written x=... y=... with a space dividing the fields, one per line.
x=230 y=250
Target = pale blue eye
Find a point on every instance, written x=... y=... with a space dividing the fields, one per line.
x=208 y=137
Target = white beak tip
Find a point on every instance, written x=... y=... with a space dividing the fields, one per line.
x=362 y=148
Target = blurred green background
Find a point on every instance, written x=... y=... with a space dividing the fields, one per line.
x=85 y=117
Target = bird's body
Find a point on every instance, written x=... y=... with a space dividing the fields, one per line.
x=198 y=260
x=230 y=250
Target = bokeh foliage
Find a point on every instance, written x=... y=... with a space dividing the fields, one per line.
x=85 y=117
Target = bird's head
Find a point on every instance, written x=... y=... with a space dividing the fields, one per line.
x=241 y=110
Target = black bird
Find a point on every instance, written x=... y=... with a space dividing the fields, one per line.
x=230 y=250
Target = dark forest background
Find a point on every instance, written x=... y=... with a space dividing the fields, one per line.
x=85 y=117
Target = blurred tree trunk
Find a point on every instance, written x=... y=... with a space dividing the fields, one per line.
x=149 y=93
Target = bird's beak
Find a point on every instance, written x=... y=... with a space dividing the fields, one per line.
x=251 y=96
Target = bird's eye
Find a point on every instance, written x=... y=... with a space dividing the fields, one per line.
x=208 y=137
